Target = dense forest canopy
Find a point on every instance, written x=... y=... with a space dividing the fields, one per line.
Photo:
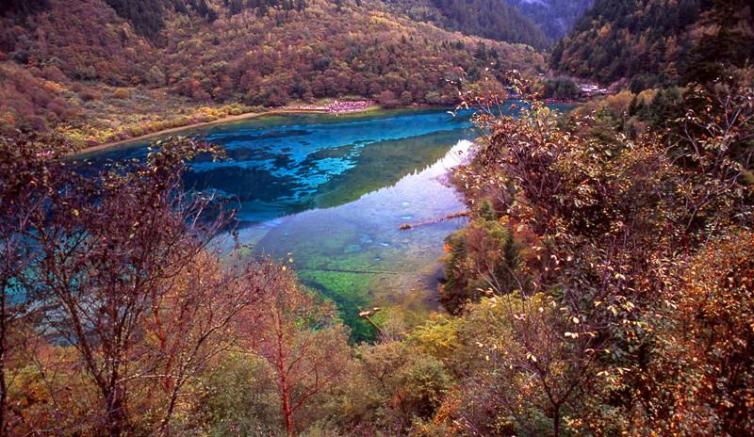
x=98 y=73
x=19 y=9
x=555 y=17
x=491 y=19
x=146 y=16
x=657 y=42
x=537 y=23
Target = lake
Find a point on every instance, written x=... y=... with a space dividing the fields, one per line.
x=329 y=193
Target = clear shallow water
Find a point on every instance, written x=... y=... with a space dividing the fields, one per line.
x=356 y=254
x=331 y=192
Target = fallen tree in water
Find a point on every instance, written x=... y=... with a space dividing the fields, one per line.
x=407 y=226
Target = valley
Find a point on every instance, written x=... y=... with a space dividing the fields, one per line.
x=376 y=218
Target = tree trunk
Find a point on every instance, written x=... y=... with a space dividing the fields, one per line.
x=556 y=421
x=3 y=386
x=288 y=413
x=285 y=395
x=117 y=421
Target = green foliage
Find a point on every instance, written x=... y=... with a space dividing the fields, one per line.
x=238 y=397
x=393 y=386
x=495 y=20
x=512 y=370
x=481 y=259
x=437 y=337
x=661 y=110
x=561 y=88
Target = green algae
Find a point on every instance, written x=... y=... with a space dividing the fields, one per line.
x=350 y=293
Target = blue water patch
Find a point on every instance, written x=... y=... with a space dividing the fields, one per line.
x=280 y=165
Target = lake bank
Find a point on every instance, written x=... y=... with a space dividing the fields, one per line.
x=222 y=120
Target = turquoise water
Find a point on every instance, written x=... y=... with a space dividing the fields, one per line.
x=331 y=192
x=279 y=165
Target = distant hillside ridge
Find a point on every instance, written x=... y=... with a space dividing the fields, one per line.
x=538 y=23
x=103 y=70
x=492 y=19
x=554 y=17
x=657 y=42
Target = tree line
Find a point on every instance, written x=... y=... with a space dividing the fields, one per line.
x=657 y=43
x=83 y=63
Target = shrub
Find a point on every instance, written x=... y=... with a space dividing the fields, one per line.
x=481 y=260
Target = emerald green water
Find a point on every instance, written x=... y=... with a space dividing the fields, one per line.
x=331 y=192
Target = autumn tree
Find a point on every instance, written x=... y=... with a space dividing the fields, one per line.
x=301 y=340
x=700 y=381
x=26 y=179
x=117 y=266
x=393 y=386
x=601 y=219
x=481 y=258
x=524 y=368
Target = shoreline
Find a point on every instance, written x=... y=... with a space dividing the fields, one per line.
x=230 y=118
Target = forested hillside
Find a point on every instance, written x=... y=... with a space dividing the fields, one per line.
x=491 y=19
x=537 y=23
x=555 y=17
x=99 y=71
x=657 y=42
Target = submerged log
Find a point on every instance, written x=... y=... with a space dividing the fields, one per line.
x=407 y=226
x=366 y=316
x=374 y=272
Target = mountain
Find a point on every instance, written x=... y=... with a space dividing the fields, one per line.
x=99 y=70
x=491 y=19
x=494 y=19
x=554 y=17
x=657 y=42
x=538 y=23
